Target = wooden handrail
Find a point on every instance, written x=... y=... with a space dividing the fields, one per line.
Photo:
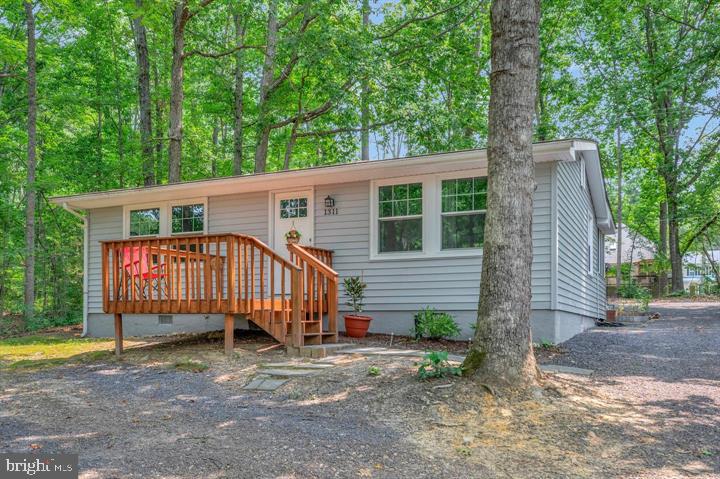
x=304 y=253
x=227 y=274
x=319 y=288
x=324 y=255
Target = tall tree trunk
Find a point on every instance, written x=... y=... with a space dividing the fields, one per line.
x=618 y=264
x=31 y=164
x=291 y=143
x=216 y=150
x=502 y=352
x=364 y=97
x=143 y=64
x=239 y=88
x=263 y=130
x=662 y=249
x=158 y=125
x=180 y=18
x=676 y=269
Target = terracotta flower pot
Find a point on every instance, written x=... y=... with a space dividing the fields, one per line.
x=293 y=240
x=611 y=315
x=356 y=326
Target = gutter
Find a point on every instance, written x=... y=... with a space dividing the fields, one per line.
x=86 y=252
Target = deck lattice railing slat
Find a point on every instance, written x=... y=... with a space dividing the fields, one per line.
x=224 y=274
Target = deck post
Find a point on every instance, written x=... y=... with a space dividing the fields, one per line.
x=295 y=308
x=229 y=334
x=118 y=335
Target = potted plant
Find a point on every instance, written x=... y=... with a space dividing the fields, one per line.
x=293 y=236
x=356 y=325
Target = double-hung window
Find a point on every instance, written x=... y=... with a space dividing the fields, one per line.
x=463 y=212
x=164 y=218
x=144 y=222
x=400 y=218
x=188 y=218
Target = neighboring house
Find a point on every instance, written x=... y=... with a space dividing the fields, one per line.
x=411 y=227
x=635 y=247
x=697 y=267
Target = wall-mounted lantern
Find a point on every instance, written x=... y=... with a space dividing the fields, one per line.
x=330 y=208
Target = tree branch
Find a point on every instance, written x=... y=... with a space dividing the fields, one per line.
x=699 y=233
x=412 y=20
x=310 y=115
x=223 y=53
x=343 y=130
x=202 y=5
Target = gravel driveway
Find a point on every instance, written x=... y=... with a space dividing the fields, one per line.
x=670 y=369
x=133 y=420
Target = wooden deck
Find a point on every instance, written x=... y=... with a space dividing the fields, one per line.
x=294 y=300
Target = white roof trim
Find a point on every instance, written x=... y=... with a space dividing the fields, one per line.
x=562 y=150
x=601 y=205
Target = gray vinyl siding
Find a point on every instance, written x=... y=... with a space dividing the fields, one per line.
x=104 y=224
x=577 y=291
x=245 y=213
x=397 y=288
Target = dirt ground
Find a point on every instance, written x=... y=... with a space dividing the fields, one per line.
x=144 y=416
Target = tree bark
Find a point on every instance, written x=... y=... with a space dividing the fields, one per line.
x=180 y=18
x=143 y=64
x=618 y=265
x=662 y=248
x=216 y=150
x=238 y=105
x=263 y=131
x=502 y=353
x=677 y=285
x=31 y=165
x=158 y=125
x=364 y=97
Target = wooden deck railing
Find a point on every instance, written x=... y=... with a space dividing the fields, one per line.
x=319 y=286
x=223 y=274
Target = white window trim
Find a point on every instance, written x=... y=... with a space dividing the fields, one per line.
x=165 y=216
x=431 y=217
x=583 y=174
x=190 y=201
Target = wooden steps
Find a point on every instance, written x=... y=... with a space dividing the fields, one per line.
x=312 y=328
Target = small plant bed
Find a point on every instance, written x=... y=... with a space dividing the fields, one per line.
x=407 y=342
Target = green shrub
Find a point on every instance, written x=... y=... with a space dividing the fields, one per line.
x=632 y=290
x=433 y=324
x=435 y=365
x=355 y=291
x=373 y=371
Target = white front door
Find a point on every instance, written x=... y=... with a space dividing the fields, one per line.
x=293 y=209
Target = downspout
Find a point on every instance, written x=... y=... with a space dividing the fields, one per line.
x=86 y=252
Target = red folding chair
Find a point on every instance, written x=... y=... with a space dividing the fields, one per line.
x=139 y=263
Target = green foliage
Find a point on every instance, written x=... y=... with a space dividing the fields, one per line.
x=545 y=344
x=432 y=324
x=435 y=365
x=426 y=66
x=632 y=290
x=355 y=291
x=373 y=371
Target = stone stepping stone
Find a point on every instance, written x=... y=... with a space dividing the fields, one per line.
x=264 y=384
x=412 y=353
x=289 y=373
x=383 y=352
x=556 y=368
x=297 y=365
